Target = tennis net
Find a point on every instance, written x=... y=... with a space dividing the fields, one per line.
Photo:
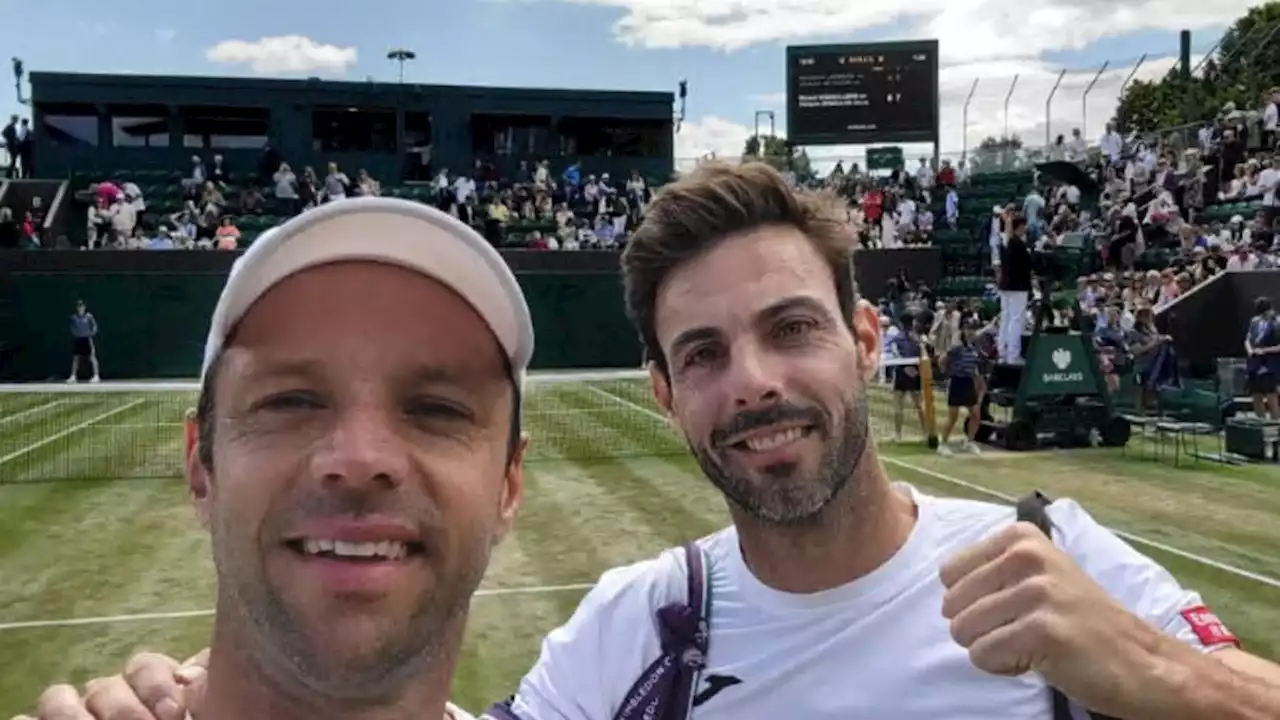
x=135 y=430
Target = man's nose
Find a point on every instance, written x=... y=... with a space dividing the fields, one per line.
x=753 y=376
x=363 y=446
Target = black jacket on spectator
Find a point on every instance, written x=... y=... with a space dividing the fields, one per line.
x=10 y=235
x=1015 y=265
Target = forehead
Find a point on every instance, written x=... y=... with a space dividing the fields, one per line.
x=366 y=312
x=740 y=276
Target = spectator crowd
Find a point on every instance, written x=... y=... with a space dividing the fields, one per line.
x=534 y=209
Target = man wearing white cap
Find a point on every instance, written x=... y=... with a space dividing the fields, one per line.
x=354 y=463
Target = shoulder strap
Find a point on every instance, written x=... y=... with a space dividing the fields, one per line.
x=664 y=691
x=1032 y=508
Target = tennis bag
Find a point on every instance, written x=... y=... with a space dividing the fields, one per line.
x=665 y=690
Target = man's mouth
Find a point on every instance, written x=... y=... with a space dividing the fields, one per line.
x=332 y=549
x=767 y=439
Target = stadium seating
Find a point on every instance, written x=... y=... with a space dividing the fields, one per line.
x=163 y=193
x=966 y=257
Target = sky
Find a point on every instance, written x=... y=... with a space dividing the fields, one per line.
x=731 y=52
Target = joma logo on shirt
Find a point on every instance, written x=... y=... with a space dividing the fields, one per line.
x=714 y=685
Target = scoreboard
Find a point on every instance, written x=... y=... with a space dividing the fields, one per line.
x=860 y=94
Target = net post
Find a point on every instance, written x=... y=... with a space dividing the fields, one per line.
x=926 y=391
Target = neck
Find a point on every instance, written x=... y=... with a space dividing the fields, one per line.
x=858 y=531
x=241 y=686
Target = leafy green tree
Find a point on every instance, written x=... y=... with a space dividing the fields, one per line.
x=778 y=153
x=1244 y=67
x=996 y=154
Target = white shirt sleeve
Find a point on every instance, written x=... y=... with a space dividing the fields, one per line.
x=588 y=664
x=1140 y=584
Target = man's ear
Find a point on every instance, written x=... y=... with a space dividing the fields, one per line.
x=198 y=479
x=661 y=386
x=866 y=333
x=512 y=490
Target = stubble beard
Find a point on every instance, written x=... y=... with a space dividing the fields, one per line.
x=780 y=496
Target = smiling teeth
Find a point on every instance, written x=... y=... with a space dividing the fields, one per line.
x=389 y=549
x=769 y=442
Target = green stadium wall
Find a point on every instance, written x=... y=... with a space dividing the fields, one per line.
x=154 y=307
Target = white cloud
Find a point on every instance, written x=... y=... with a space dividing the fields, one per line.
x=967 y=29
x=1027 y=119
x=283 y=54
x=710 y=135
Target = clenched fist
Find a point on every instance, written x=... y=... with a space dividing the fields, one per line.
x=153 y=687
x=1019 y=604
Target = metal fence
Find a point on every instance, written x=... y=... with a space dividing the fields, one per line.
x=1033 y=101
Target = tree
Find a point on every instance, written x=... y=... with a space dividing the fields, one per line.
x=1245 y=65
x=780 y=154
x=996 y=154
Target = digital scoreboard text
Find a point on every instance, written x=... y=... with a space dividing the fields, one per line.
x=860 y=94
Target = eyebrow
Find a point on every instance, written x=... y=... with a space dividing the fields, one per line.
x=765 y=316
x=692 y=337
x=793 y=304
x=309 y=369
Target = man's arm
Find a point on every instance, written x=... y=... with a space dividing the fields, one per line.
x=1140 y=648
x=1229 y=684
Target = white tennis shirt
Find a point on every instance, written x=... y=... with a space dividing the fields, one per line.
x=877 y=647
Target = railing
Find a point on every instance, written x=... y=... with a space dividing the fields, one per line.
x=1171 y=140
x=1037 y=105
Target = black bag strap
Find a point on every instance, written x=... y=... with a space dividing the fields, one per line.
x=664 y=691
x=1032 y=508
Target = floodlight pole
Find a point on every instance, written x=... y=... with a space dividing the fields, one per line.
x=1132 y=72
x=1048 y=104
x=401 y=55
x=964 y=121
x=772 y=123
x=18 y=72
x=1084 y=100
x=1007 y=98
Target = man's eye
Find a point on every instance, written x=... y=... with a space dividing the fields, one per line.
x=293 y=400
x=436 y=410
x=792 y=329
x=699 y=356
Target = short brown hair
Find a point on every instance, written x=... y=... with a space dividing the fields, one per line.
x=693 y=214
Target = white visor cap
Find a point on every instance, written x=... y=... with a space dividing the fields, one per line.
x=388 y=230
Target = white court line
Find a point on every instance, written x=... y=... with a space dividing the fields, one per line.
x=142 y=617
x=1264 y=579
x=1136 y=539
x=31 y=411
x=628 y=403
x=73 y=429
x=529 y=415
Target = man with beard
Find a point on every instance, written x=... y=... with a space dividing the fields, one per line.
x=354 y=465
x=837 y=593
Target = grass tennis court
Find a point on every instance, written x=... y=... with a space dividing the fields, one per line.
x=95 y=569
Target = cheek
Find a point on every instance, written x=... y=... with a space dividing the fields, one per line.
x=699 y=405
x=465 y=487
x=249 y=475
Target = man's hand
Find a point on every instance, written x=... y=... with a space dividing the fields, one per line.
x=1019 y=604
x=153 y=687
